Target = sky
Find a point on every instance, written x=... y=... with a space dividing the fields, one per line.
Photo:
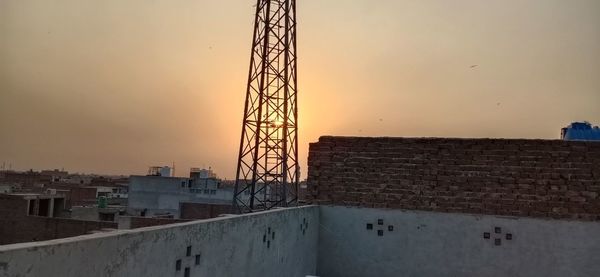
x=113 y=86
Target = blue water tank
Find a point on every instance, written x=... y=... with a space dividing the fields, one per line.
x=581 y=131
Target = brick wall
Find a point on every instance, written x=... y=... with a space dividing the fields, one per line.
x=204 y=211
x=81 y=196
x=20 y=228
x=535 y=178
x=16 y=226
x=74 y=194
x=10 y=204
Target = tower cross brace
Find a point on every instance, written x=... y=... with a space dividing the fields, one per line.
x=268 y=172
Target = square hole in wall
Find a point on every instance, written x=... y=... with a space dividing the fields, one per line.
x=497 y=230
x=486 y=235
x=379 y=221
x=390 y=228
x=369 y=226
x=178 y=265
x=508 y=236
x=380 y=233
x=497 y=242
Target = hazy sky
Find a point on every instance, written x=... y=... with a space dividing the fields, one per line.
x=115 y=86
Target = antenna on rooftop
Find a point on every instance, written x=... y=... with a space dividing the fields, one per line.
x=267 y=173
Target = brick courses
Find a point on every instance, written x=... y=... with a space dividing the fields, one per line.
x=515 y=177
x=16 y=226
x=22 y=228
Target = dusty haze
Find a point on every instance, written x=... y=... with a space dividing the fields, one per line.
x=116 y=86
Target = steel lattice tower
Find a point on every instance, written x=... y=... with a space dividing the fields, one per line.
x=268 y=172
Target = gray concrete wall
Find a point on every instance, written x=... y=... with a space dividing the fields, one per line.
x=229 y=246
x=161 y=195
x=441 y=244
x=85 y=213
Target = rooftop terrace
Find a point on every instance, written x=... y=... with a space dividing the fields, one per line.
x=323 y=241
x=388 y=207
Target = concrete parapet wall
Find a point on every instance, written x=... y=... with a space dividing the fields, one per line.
x=328 y=241
x=134 y=222
x=274 y=243
x=517 y=177
x=204 y=211
x=429 y=244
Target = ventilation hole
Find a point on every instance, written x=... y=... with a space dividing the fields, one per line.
x=178 y=265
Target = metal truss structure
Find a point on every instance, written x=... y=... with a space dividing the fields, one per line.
x=268 y=171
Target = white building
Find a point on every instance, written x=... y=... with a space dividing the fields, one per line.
x=158 y=195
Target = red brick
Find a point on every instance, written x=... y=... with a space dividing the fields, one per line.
x=536 y=178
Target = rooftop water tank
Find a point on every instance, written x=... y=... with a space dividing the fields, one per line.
x=581 y=131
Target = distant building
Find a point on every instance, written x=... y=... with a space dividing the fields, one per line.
x=77 y=179
x=6 y=188
x=154 y=196
x=202 y=173
x=30 y=180
x=46 y=205
x=95 y=213
x=163 y=171
x=55 y=175
x=580 y=131
x=26 y=217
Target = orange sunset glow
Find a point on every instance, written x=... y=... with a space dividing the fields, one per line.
x=116 y=86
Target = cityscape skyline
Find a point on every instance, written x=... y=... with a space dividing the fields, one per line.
x=372 y=138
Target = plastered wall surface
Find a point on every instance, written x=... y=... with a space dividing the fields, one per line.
x=429 y=244
x=326 y=241
x=274 y=243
